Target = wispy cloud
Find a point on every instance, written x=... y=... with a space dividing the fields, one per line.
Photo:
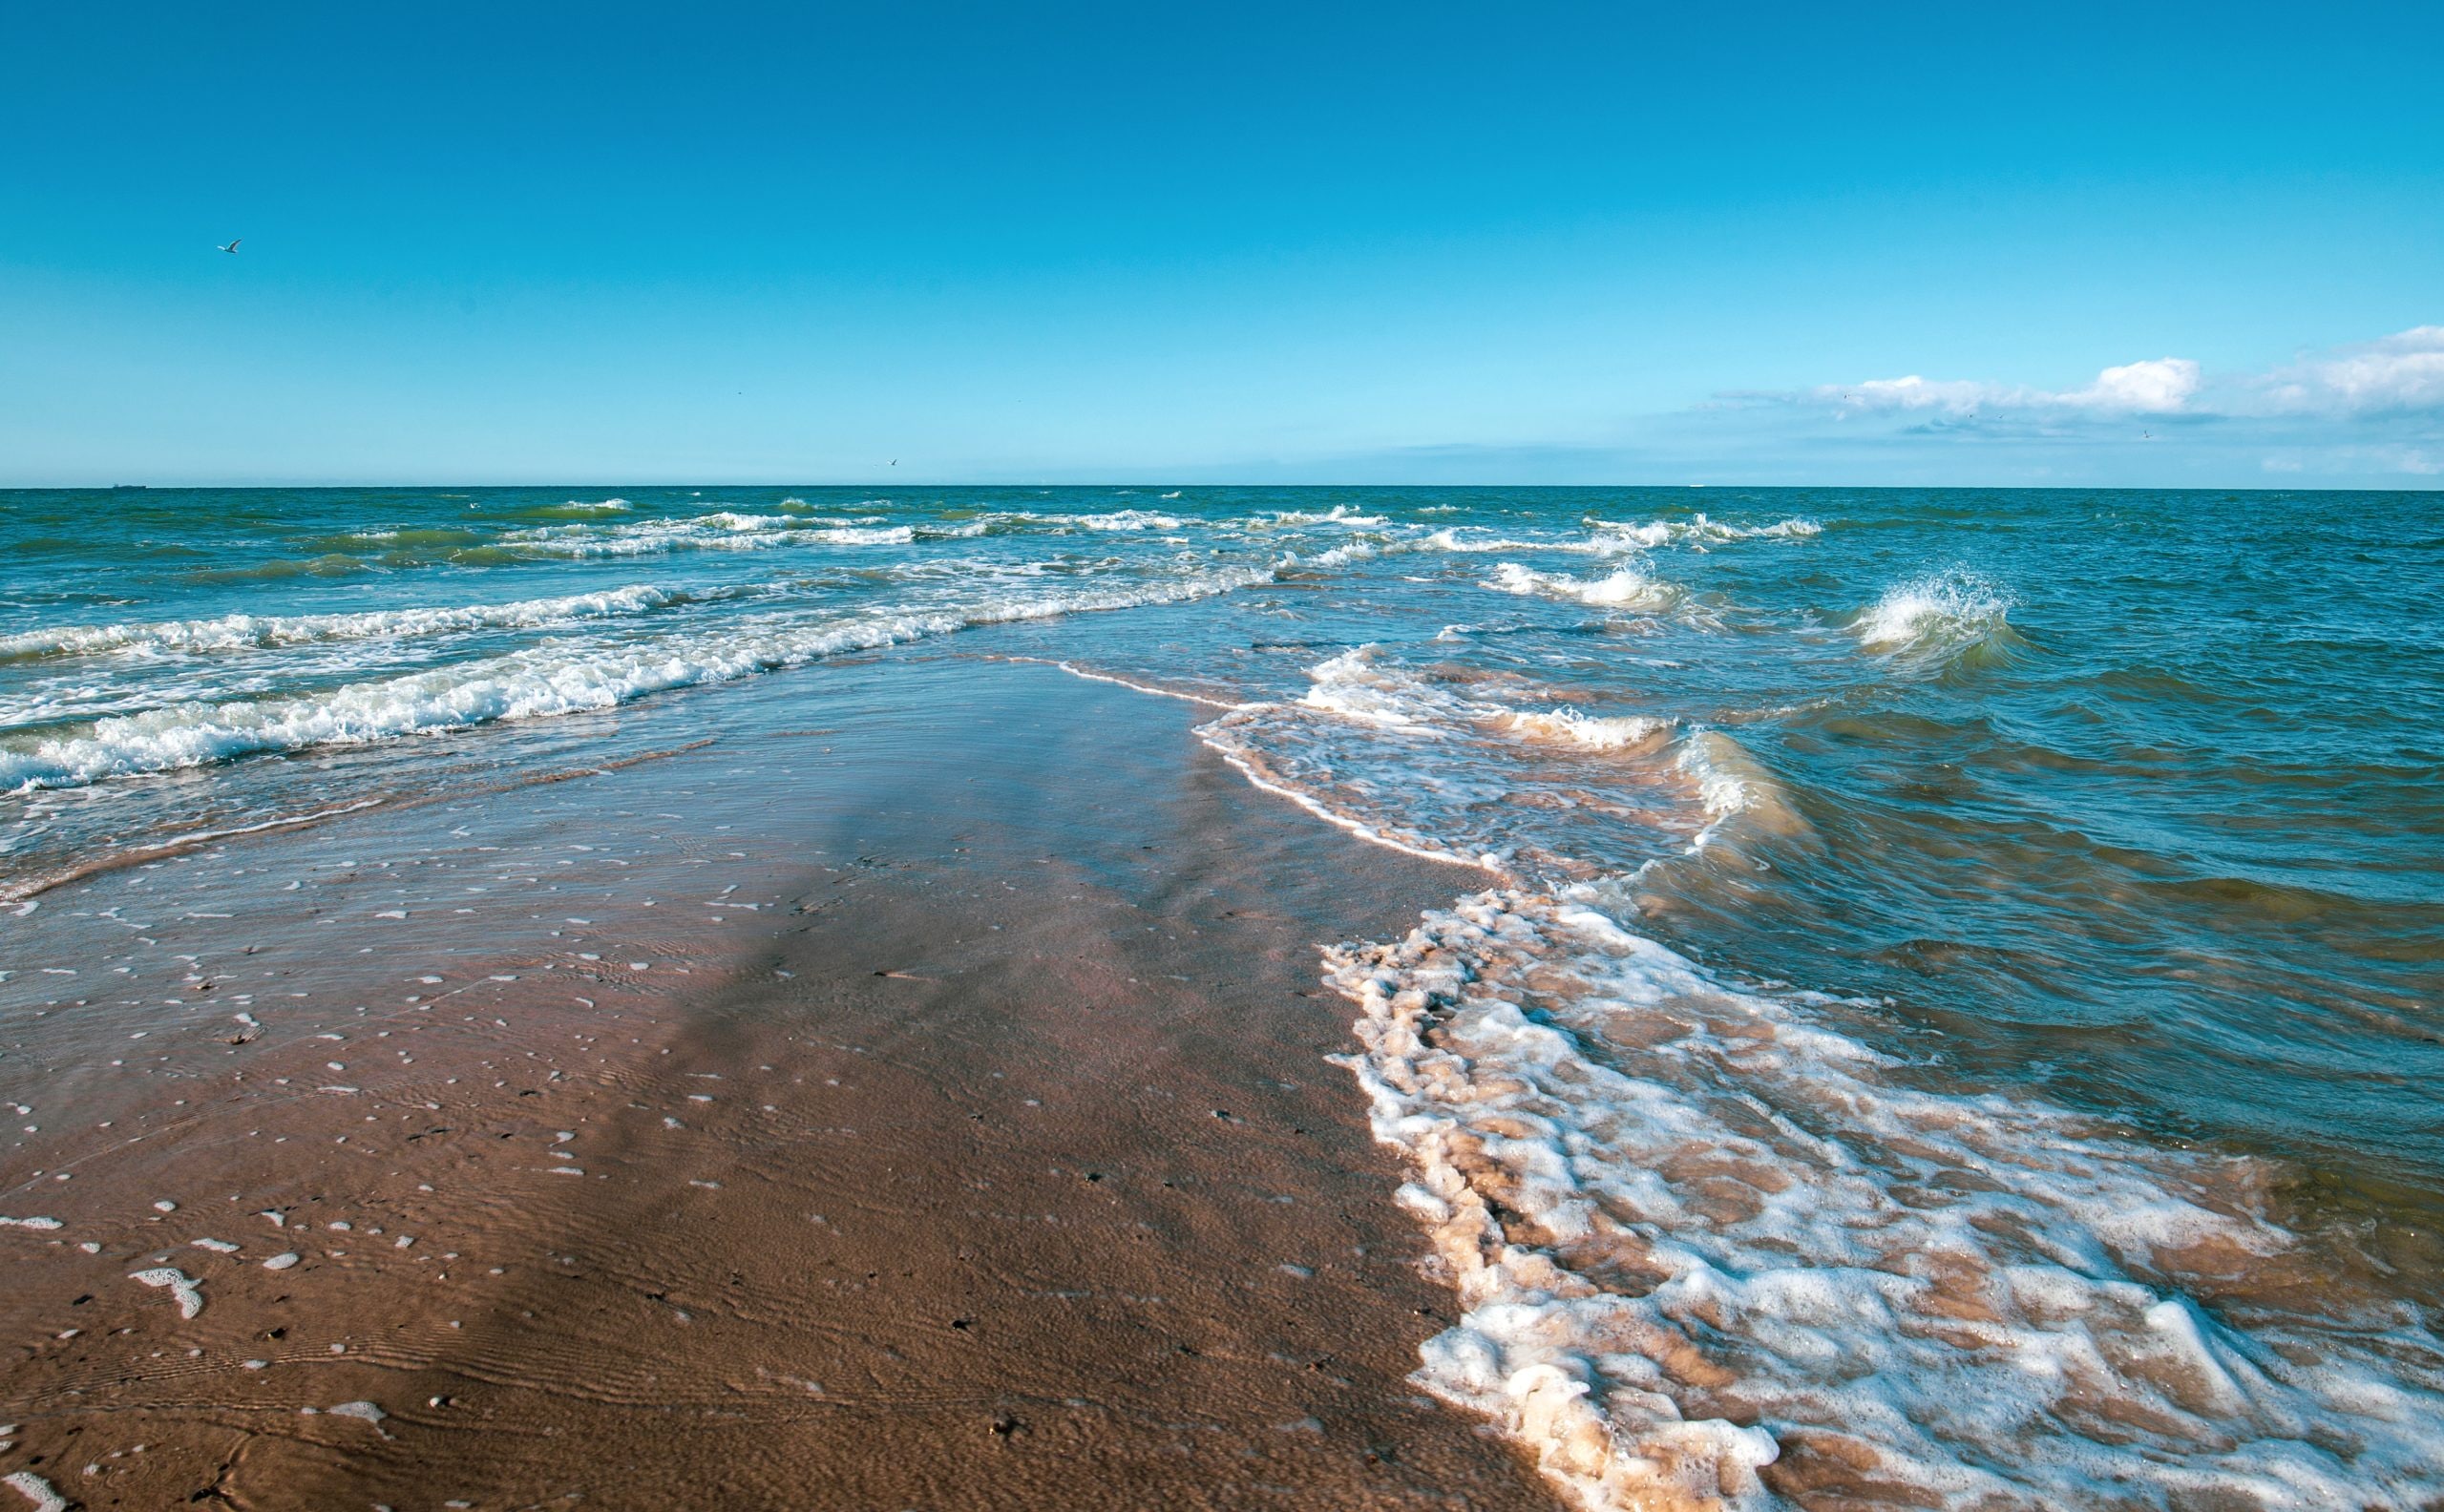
x=2368 y=414
x=2400 y=375
x=2156 y=386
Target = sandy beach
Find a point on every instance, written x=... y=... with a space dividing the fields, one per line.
x=952 y=1129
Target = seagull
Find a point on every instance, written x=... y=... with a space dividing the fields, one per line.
x=232 y=247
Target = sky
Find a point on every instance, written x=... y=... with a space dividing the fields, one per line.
x=2146 y=246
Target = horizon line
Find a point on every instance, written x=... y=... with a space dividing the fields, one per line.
x=1135 y=484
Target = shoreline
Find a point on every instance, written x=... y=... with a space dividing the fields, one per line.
x=970 y=1142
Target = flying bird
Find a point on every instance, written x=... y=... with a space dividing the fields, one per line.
x=232 y=247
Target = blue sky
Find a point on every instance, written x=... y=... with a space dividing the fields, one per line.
x=1533 y=243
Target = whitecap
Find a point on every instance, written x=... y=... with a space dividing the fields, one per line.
x=1937 y=619
x=536 y=681
x=241 y=632
x=1624 y=588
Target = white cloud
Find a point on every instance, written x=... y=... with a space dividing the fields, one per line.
x=2396 y=375
x=2368 y=413
x=2156 y=386
x=2159 y=385
x=2401 y=375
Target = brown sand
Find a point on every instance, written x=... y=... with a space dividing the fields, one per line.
x=1025 y=1187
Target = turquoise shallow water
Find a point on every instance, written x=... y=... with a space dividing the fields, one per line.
x=2120 y=808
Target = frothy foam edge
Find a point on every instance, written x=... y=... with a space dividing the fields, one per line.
x=239 y=632
x=1699 y=1232
x=528 y=684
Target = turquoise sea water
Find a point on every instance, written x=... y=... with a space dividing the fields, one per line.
x=2112 y=822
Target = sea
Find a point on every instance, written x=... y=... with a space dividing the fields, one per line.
x=1941 y=1001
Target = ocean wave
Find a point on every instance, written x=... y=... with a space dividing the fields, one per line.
x=1358 y=684
x=1700 y=529
x=1624 y=588
x=242 y=632
x=1478 y=539
x=724 y=530
x=1714 y=1252
x=1940 y=617
x=1491 y=770
x=1333 y=556
x=1338 y=514
x=1118 y=520
x=330 y=564
x=528 y=684
x=1735 y=786
x=1567 y=726
x=572 y=509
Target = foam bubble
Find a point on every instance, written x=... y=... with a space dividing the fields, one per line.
x=188 y=1292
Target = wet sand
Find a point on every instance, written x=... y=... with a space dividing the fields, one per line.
x=975 y=1148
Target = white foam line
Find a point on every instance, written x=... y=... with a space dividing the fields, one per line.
x=1077 y=671
x=26 y=905
x=539 y=682
x=202 y=836
x=245 y=632
x=1339 y=822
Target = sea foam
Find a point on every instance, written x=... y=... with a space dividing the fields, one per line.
x=241 y=632
x=1714 y=1252
x=1699 y=530
x=1624 y=588
x=536 y=681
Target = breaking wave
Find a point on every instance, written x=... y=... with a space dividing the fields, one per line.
x=1496 y=770
x=1942 y=618
x=1700 y=530
x=722 y=530
x=1625 y=588
x=241 y=632
x=529 y=684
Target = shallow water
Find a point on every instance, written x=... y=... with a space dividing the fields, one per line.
x=1949 y=1009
